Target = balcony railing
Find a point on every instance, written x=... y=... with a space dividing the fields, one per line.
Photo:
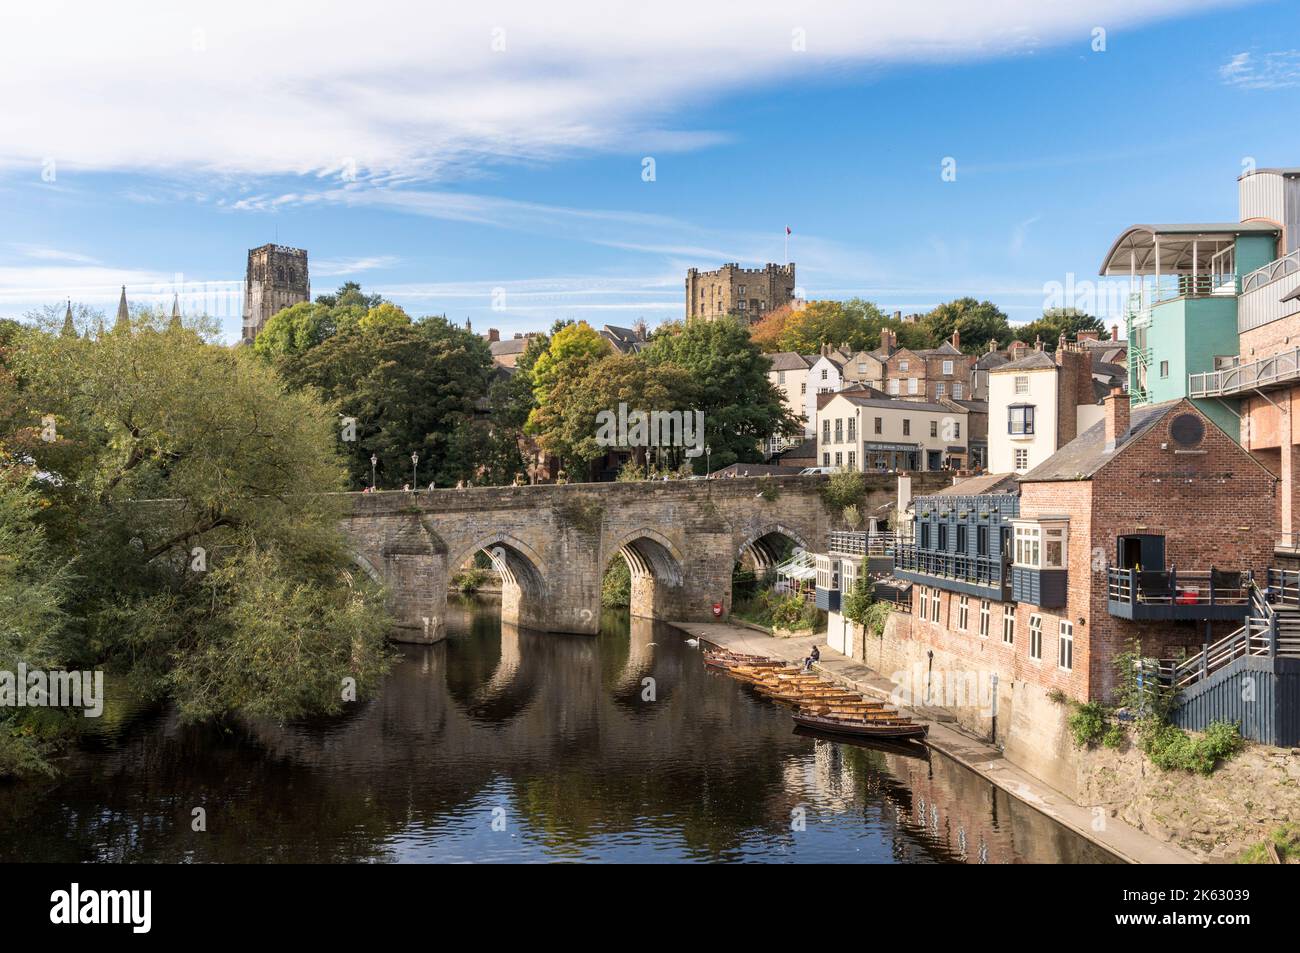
x=852 y=543
x=1173 y=287
x=1216 y=594
x=977 y=570
x=1278 y=268
x=1276 y=370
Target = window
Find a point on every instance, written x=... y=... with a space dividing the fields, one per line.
x=1022 y=459
x=934 y=428
x=1008 y=624
x=828 y=571
x=880 y=423
x=848 y=575
x=981 y=541
x=1164 y=368
x=961 y=538
x=934 y=605
x=963 y=612
x=947 y=368
x=853 y=460
x=740 y=289
x=803 y=388
x=823 y=373
x=1065 y=654
x=1020 y=419
x=1022 y=384
x=925 y=535
x=943 y=537
x=956 y=429
x=924 y=596
x=984 y=618
x=826 y=430
x=907 y=426
x=741 y=305
x=826 y=459
x=862 y=368
x=893 y=386
x=1036 y=637
x=1039 y=544
x=853 y=429
x=780 y=377
x=902 y=365
x=839 y=429
x=839 y=460
x=940 y=389
x=911 y=385
x=958 y=390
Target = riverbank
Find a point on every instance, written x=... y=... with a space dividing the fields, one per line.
x=1097 y=825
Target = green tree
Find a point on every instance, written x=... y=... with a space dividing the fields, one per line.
x=978 y=322
x=741 y=406
x=406 y=387
x=233 y=593
x=1056 y=322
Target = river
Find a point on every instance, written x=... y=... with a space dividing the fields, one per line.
x=501 y=744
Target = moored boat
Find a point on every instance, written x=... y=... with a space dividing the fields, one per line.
x=883 y=728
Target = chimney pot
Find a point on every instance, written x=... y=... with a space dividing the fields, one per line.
x=1114 y=332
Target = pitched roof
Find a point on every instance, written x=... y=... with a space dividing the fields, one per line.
x=981 y=486
x=889 y=403
x=991 y=359
x=508 y=346
x=946 y=349
x=788 y=361
x=1086 y=454
x=1032 y=361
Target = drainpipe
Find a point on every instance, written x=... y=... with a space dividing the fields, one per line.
x=929 y=674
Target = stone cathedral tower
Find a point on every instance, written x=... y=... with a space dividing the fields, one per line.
x=277 y=278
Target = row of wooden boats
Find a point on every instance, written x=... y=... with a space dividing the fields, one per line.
x=819 y=703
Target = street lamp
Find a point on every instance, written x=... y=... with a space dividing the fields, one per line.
x=374 y=460
x=708 y=454
x=415 y=469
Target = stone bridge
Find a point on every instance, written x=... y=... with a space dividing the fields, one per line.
x=551 y=544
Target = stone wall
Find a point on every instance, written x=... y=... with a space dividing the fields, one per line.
x=553 y=543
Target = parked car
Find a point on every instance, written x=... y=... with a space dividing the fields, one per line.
x=813 y=471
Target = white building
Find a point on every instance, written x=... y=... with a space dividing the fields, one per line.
x=857 y=432
x=1038 y=404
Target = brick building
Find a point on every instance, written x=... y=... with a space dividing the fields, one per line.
x=745 y=292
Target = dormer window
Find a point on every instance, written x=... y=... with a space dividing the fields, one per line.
x=1040 y=544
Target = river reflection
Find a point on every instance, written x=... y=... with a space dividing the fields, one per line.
x=502 y=744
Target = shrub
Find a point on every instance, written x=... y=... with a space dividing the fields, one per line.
x=846 y=488
x=1170 y=748
x=616 y=586
x=1113 y=738
x=471 y=580
x=1087 y=723
x=1285 y=838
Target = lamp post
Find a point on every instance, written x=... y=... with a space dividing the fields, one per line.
x=415 y=469
x=708 y=455
x=374 y=461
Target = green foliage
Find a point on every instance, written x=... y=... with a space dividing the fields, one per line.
x=409 y=388
x=769 y=489
x=978 y=322
x=859 y=601
x=616 y=585
x=1058 y=321
x=852 y=516
x=471 y=580
x=1171 y=748
x=843 y=489
x=276 y=617
x=1113 y=738
x=1087 y=723
x=1285 y=839
x=773 y=610
x=728 y=373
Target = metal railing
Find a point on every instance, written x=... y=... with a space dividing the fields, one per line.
x=856 y=543
x=1174 y=588
x=1281 y=368
x=1173 y=287
x=980 y=570
x=1278 y=268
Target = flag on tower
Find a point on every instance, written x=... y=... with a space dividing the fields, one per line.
x=787 y=229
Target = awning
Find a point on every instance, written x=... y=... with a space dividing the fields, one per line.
x=1134 y=252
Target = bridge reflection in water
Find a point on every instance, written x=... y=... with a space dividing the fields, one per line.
x=506 y=744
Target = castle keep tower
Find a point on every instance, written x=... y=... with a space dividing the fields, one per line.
x=747 y=292
x=277 y=278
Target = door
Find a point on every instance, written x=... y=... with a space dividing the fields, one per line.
x=839 y=641
x=1141 y=549
x=934 y=460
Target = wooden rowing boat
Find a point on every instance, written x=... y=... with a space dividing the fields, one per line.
x=891 y=728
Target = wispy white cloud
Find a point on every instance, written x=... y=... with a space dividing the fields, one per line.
x=1277 y=70
x=409 y=90
x=41 y=253
x=333 y=267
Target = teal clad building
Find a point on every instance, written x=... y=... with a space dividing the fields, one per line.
x=1184 y=285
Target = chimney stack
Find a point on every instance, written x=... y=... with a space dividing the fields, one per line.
x=1117 y=419
x=993 y=345
x=1114 y=332
x=493 y=335
x=956 y=338
x=886 y=342
x=1087 y=336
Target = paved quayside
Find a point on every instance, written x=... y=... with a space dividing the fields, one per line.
x=1121 y=839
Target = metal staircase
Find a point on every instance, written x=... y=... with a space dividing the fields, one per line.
x=1271 y=631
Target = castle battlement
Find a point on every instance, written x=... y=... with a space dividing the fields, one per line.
x=733 y=290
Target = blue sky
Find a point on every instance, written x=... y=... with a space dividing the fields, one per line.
x=439 y=157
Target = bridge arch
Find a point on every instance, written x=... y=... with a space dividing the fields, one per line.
x=366 y=566
x=658 y=572
x=762 y=548
x=523 y=584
